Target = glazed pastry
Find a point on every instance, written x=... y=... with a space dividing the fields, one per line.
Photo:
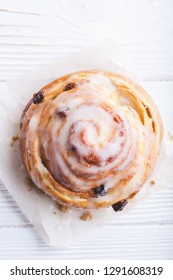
x=90 y=139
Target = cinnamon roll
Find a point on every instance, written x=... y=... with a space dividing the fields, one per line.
x=90 y=139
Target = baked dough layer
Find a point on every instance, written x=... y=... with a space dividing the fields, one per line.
x=90 y=139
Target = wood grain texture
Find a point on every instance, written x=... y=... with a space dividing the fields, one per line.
x=113 y=242
x=33 y=33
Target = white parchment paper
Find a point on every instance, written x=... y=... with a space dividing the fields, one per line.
x=59 y=228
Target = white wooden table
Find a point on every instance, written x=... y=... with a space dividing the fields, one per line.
x=33 y=33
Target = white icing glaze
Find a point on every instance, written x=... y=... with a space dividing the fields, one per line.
x=97 y=139
x=101 y=79
x=101 y=137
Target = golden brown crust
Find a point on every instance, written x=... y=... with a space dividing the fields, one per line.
x=134 y=116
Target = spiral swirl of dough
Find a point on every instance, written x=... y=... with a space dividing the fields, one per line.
x=90 y=139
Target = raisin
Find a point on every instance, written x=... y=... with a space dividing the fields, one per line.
x=119 y=205
x=100 y=190
x=73 y=149
x=38 y=97
x=70 y=86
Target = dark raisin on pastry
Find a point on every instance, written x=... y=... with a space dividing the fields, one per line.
x=100 y=190
x=73 y=149
x=119 y=205
x=70 y=86
x=38 y=97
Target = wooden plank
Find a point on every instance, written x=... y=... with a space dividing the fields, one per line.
x=34 y=34
x=110 y=242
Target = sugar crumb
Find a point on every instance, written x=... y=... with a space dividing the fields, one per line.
x=39 y=191
x=152 y=182
x=31 y=185
x=86 y=216
x=29 y=182
x=14 y=138
x=63 y=208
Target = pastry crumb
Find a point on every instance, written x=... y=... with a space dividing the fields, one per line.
x=170 y=135
x=31 y=185
x=63 y=208
x=152 y=182
x=14 y=139
x=86 y=216
x=39 y=191
x=28 y=181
